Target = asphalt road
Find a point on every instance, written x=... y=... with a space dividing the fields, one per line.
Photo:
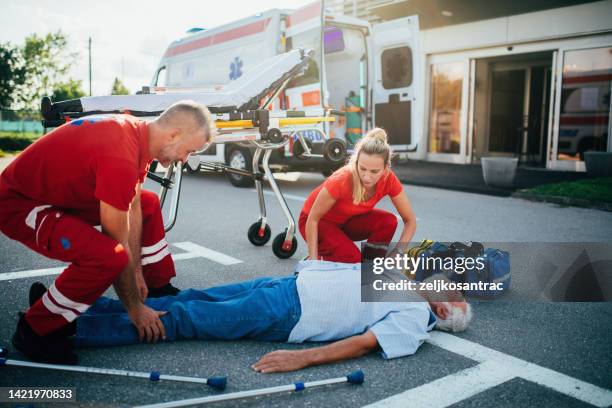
x=522 y=353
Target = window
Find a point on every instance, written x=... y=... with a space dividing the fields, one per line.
x=445 y=109
x=396 y=65
x=333 y=40
x=309 y=40
x=160 y=78
x=585 y=102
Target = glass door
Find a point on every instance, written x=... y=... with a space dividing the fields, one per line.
x=448 y=101
x=583 y=109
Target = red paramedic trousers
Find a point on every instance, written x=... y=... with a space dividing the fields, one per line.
x=336 y=242
x=95 y=259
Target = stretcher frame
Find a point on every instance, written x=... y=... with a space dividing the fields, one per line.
x=253 y=122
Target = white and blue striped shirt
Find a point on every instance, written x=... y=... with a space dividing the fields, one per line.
x=330 y=298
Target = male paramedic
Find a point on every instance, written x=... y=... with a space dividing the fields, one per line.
x=85 y=173
x=321 y=303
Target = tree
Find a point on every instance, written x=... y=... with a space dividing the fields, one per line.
x=47 y=61
x=12 y=73
x=68 y=90
x=119 y=88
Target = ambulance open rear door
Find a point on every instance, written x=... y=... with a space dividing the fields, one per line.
x=396 y=80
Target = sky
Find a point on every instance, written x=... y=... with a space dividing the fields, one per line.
x=129 y=37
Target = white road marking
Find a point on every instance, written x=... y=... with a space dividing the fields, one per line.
x=450 y=389
x=192 y=251
x=31 y=273
x=207 y=253
x=495 y=368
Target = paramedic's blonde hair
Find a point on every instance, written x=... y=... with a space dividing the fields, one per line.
x=202 y=119
x=373 y=143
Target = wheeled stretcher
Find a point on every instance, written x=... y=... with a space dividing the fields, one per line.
x=242 y=114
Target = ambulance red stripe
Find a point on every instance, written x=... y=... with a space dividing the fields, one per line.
x=587 y=78
x=584 y=120
x=305 y=13
x=219 y=38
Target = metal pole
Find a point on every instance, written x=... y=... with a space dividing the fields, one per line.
x=353 y=378
x=215 y=382
x=89 y=66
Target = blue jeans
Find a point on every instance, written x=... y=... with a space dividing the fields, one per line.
x=264 y=309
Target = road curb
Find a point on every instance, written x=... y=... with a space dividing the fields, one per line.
x=566 y=201
x=497 y=192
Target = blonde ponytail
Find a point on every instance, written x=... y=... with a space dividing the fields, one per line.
x=373 y=143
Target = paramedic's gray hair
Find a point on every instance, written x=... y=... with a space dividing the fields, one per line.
x=457 y=320
x=202 y=119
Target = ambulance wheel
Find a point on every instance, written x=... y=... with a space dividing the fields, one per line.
x=258 y=237
x=279 y=248
x=334 y=150
x=298 y=149
x=240 y=158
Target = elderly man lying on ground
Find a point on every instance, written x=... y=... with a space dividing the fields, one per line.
x=321 y=302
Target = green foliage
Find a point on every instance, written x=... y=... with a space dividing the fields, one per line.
x=68 y=90
x=34 y=70
x=12 y=73
x=47 y=64
x=119 y=88
x=14 y=142
x=595 y=189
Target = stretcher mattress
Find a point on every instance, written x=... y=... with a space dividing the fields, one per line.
x=244 y=93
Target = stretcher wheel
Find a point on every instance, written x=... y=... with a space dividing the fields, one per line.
x=257 y=236
x=275 y=135
x=334 y=150
x=282 y=249
x=298 y=149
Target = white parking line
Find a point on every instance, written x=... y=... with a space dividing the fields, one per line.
x=192 y=251
x=204 y=252
x=495 y=368
x=451 y=389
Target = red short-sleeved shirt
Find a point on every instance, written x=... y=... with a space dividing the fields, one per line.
x=82 y=163
x=340 y=186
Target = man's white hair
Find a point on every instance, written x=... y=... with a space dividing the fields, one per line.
x=457 y=320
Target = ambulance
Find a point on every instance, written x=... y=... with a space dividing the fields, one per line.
x=366 y=75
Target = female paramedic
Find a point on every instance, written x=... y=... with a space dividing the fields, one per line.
x=341 y=210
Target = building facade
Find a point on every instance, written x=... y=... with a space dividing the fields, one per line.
x=517 y=79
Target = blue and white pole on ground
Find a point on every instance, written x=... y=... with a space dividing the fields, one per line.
x=215 y=382
x=352 y=378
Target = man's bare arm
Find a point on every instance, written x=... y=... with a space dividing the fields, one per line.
x=134 y=241
x=115 y=224
x=290 y=360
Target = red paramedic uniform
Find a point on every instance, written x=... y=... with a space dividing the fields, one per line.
x=346 y=222
x=50 y=201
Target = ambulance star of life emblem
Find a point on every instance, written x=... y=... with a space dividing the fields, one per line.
x=235 y=69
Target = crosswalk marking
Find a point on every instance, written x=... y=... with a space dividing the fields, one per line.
x=191 y=251
x=495 y=368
